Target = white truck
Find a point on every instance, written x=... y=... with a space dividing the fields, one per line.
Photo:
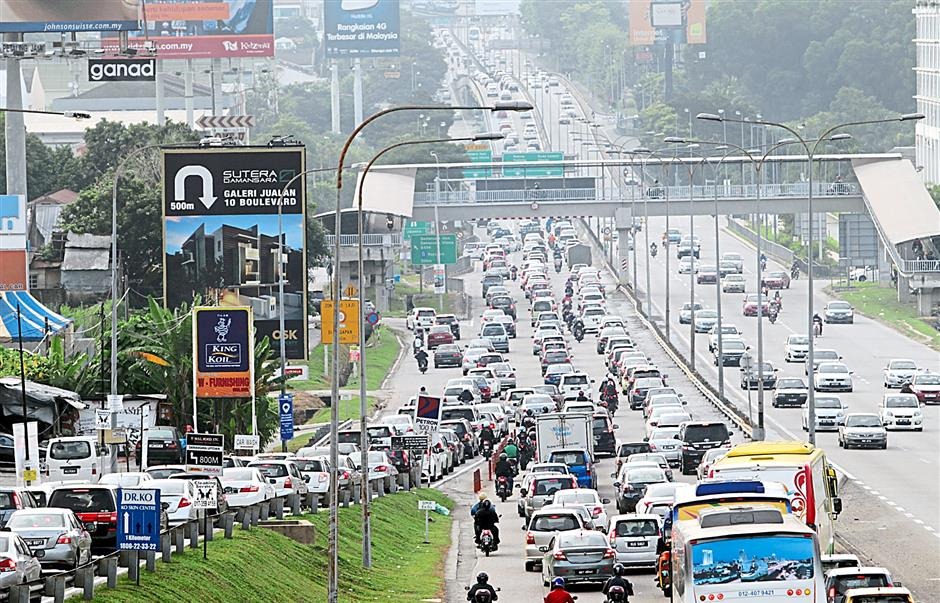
x=558 y=431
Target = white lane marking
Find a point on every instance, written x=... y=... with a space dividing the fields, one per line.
x=919 y=521
x=459 y=473
x=923 y=460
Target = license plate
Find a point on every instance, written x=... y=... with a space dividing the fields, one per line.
x=230 y=490
x=70 y=470
x=904 y=422
x=36 y=542
x=826 y=423
x=636 y=545
x=584 y=572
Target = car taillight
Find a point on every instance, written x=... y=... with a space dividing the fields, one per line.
x=17 y=503
x=288 y=483
x=107 y=517
x=248 y=489
x=532 y=489
x=171 y=445
x=597 y=511
x=184 y=502
x=610 y=554
x=7 y=565
x=832 y=593
x=529 y=538
x=652 y=446
x=381 y=468
x=560 y=556
x=64 y=539
x=345 y=474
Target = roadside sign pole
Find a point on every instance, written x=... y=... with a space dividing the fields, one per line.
x=440 y=260
x=205 y=536
x=427 y=540
x=364 y=496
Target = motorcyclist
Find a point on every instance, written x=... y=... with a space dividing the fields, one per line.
x=618 y=580
x=558 y=264
x=418 y=342
x=558 y=593
x=763 y=260
x=818 y=321
x=482 y=584
x=466 y=396
x=581 y=397
x=487 y=435
x=653 y=248
x=422 y=357
x=476 y=505
x=504 y=468
x=510 y=449
x=486 y=518
x=577 y=329
x=513 y=271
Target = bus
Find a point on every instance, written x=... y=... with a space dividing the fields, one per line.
x=802 y=468
x=735 y=554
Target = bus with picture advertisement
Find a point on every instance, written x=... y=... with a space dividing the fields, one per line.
x=811 y=482
x=753 y=554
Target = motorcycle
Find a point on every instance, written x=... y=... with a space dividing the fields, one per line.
x=481 y=596
x=423 y=365
x=616 y=594
x=763 y=263
x=772 y=316
x=503 y=489
x=512 y=272
x=653 y=250
x=794 y=273
x=487 y=542
x=487 y=448
x=578 y=333
x=558 y=266
x=817 y=328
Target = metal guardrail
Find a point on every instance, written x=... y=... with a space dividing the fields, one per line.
x=774 y=250
x=703 y=193
x=368 y=240
x=921 y=266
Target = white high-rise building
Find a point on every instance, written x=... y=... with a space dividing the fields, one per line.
x=927 y=69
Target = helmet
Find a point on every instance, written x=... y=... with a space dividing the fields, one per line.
x=580 y=392
x=529 y=412
x=483 y=578
x=482 y=496
x=558 y=583
x=510 y=441
x=503 y=456
x=485 y=504
x=619 y=570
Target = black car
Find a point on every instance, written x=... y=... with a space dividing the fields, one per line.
x=504 y=303
x=731 y=352
x=95 y=506
x=751 y=376
x=605 y=440
x=625 y=449
x=489 y=280
x=447 y=354
x=697 y=437
x=451 y=321
x=790 y=391
x=163 y=446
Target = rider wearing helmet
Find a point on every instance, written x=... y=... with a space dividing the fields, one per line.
x=510 y=449
x=486 y=518
x=482 y=584
x=619 y=580
x=504 y=468
x=558 y=593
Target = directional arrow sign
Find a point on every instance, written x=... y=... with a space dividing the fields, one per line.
x=225 y=121
x=201 y=171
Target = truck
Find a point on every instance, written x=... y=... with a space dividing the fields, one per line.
x=579 y=254
x=558 y=431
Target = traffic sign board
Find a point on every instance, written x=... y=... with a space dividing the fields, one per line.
x=478 y=155
x=418 y=442
x=102 y=419
x=207 y=494
x=350 y=290
x=204 y=452
x=348 y=321
x=247 y=442
x=414 y=227
x=426 y=505
x=138 y=514
x=372 y=318
x=538 y=156
x=424 y=249
x=285 y=404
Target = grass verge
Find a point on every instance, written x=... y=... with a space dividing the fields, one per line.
x=382 y=350
x=881 y=303
x=261 y=566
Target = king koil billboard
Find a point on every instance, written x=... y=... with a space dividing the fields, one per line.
x=357 y=28
x=222 y=241
x=223 y=351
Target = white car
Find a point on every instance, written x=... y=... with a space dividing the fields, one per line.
x=245 y=486
x=635 y=538
x=796 y=348
x=658 y=413
x=830 y=413
x=833 y=376
x=733 y=283
x=901 y=411
x=316 y=472
x=687 y=265
x=898 y=372
x=178 y=495
x=590 y=500
x=658 y=499
x=727 y=333
x=286 y=476
x=420 y=317
x=127 y=479
x=592 y=317
x=573 y=383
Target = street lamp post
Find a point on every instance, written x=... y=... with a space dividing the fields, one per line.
x=333 y=561
x=827 y=136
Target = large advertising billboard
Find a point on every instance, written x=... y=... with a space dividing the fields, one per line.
x=646 y=16
x=362 y=28
x=13 y=272
x=192 y=29
x=222 y=239
x=69 y=16
x=222 y=352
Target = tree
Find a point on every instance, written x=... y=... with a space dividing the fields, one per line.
x=934 y=190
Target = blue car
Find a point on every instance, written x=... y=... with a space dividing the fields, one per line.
x=580 y=463
x=554 y=372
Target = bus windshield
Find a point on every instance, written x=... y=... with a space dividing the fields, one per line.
x=754 y=559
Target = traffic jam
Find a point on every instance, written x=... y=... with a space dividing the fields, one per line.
x=623 y=479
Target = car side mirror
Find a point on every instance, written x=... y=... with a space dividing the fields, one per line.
x=617 y=484
x=675 y=437
x=616 y=426
x=837 y=504
x=543 y=549
x=605 y=501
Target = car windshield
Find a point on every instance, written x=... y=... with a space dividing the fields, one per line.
x=828 y=402
x=447 y=348
x=70 y=451
x=732 y=346
x=843 y=583
x=825 y=355
x=863 y=421
x=555 y=523
x=707 y=314
x=839 y=306
x=901 y=402
x=272 y=469
x=160 y=434
x=661 y=490
x=831 y=367
x=776 y=275
x=798 y=340
x=248 y=473
x=791 y=384
x=547 y=486
x=36 y=520
x=645 y=475
x=576 y=380
x=440 y=329
x=580 y=495
x=580 y=539
x=664 y=433
x=568 y=458
x=594 y=312
x=630 y=449
x=559 y=368
x=927 y=379
x=902 y=365
x=83 y=500
x=635 y=528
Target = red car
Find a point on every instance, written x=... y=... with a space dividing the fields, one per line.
x=926 y=386
x=776 y=280
x=750 y=305
x=439 y=335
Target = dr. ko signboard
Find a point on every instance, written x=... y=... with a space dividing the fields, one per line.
x=223 y=351
x=222 y=241
x=362 y=28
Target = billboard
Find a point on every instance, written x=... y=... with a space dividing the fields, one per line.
x=122 y=70
x=646 y=16
x=193 y=29
x=68 y=16
x=222 y=238
x=361 y=28
x=13 y=261
x=222 y=352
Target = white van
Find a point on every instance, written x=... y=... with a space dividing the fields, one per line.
x=73 y=459
x=573 y=383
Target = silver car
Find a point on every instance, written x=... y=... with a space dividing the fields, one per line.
x=634 y=538
x=578 y=556
x=545 y=523
x=18 y=565
x=57 y=533
x=663 y=440
x=861 y=430
x=898 y=372
x=542 y=489
x=829 y=412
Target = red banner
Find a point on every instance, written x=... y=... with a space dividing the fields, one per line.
x=201 y=47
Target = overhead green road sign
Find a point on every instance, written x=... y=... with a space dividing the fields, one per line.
x=413 y=227
x=479 y=156
x=424 y=249
x=534 y=156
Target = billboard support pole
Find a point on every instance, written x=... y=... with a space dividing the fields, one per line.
x=334 y=107
x=280 y=302
x=15 y=128
x=357 y=92
x=160 y=99
x=216 y=67
x=188 y=92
